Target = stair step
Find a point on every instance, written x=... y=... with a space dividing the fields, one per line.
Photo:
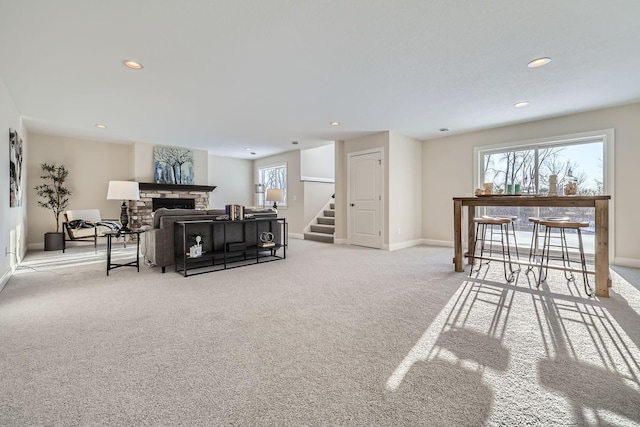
x=332 y=205
x=319 y=237
x=326 y=220
x=323 y=228
x=329 y=213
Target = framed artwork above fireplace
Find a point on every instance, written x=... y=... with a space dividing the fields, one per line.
x=172 y=165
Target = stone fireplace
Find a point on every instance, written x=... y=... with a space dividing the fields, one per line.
x=140 y=210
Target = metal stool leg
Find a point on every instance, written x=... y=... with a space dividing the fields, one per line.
x=583 y=262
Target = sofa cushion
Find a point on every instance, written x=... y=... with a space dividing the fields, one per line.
x=158 y=214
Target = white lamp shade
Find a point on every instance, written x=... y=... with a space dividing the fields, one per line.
x=275 y=195
x=123 y=190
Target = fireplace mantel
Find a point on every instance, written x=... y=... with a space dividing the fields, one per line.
x=175 y=187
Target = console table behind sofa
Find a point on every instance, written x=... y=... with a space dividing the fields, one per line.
x=158 y=241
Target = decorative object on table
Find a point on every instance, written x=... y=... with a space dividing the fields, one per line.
x=488 y=188
x=509 y=188
x=15 y=169
x=479 y=192
x=517 y=189
x=55 y=196
x=123 y=190
x=266 y=239
x=553 y=185
x=195 y=251
x=172 y=165
x=275 y=195
x=235 y=212
x=259 y=189
x=571 y=189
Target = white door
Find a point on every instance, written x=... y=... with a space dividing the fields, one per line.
x=365 y=200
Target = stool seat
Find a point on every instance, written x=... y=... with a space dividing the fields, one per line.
x=564 y=224
x=536 y=219
x=491 y=220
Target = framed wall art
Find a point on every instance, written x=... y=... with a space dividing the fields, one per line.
x=172 y=165
x=15 y=169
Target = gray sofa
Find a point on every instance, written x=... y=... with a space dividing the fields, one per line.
x=158 y=241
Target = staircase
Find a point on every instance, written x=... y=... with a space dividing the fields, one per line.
x=324 y=227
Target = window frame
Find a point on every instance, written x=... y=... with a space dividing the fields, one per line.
x=605 y=135
x=262 y=196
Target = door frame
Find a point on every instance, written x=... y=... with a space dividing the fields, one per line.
x=382 y=192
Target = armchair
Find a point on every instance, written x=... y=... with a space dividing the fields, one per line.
x=85 y=225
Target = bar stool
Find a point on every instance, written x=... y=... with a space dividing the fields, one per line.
x=561 y=226
x=485 y=244
x=534 y=247
x=513 y=219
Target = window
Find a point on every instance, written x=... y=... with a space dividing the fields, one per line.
x=273 y=177
x=581 y=159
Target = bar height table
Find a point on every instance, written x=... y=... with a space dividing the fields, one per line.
x=600 y=203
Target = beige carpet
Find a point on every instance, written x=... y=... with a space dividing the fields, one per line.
x=333 y=335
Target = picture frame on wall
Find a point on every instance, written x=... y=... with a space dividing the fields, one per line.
x=15 y=169
x=173 y=165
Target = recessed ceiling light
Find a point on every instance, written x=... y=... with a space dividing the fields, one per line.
x=539 y=62
x=253 y=153
x=335 y=123
x=248 y=148
x=101 y=126
x=294 y=142
x=133 y=64
x=444 y=129
x=521 y=104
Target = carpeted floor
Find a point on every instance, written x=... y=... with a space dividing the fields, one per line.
x=333 y=335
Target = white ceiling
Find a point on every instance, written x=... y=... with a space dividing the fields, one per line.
x=225 y=75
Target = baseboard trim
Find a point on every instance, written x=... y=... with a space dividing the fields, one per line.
x=296 y=236
x=403 y=245
x=626 y=262
x=5 y=278
x=431 y=242
x=340 y=241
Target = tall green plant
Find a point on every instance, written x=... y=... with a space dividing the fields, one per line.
x=53 y=192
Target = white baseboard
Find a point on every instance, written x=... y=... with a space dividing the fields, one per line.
x=340 y=241
x=5 y=278
x=626 y=262
x=296 y=236
x=407 y=244
x=431 y=242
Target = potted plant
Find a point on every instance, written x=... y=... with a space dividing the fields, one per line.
x=55 y=196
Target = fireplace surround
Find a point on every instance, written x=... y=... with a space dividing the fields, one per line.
x=140 y=211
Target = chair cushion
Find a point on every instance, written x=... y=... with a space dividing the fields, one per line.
x=91 y=215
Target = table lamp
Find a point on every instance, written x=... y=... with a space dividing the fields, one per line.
x=275 y=195
x=123 y=190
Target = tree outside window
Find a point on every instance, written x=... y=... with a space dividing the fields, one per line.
x=273 y=177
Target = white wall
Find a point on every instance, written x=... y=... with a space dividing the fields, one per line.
x=318 y=162
x=294 y=212
x=91 y=165
x=233 y=179
x=405 y=191
x=448 y=171
x=13 y=221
